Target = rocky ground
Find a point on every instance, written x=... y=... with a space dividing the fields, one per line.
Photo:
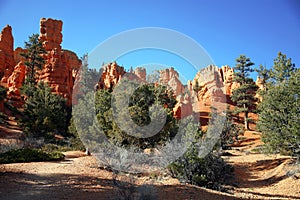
x=257 y=176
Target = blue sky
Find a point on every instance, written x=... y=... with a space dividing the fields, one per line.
x=225 y=29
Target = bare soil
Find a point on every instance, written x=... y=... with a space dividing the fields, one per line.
x=257 y=176
x=263 y=176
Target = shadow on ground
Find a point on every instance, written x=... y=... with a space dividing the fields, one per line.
x=15 y=185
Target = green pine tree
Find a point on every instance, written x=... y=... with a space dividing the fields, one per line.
x=44 y=113
x=282 y=69
x=33 y=58
x=197 y=87
x=279 y=111
x=263 y=74
x=243 y=96
x=139 y=103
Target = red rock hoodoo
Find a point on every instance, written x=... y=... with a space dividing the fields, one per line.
x=7 y=61
x=170 y=77
x=140 y=72
x=61 y=65
x=60 y=68
x=111 y=75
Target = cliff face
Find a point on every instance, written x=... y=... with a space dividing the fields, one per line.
x=226 y=74
x=60 y=67
x=7 y=61
x=14 y=84
x=213 y=84
x=112 y=74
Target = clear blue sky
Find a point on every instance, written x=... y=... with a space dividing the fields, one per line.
x=225 y=29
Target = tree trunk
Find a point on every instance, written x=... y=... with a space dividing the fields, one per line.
x=246 y=121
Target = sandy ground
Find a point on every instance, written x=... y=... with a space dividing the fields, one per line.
x=263 y=176
x=80 y=178
x=257 y=176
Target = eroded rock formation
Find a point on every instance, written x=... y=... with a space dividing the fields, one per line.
x=60 y=65
x=50 y=33
x=14 y=84
x=170 y=77
x=211 y=84
x=140 y=72
x=208 y=85
x=7 y=61
x=184 y=107
x=261 y=86
x=111 y=75
x=226 y=73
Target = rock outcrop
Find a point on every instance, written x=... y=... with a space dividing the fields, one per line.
x=50 y=34
x=184 y=107
x=170 y=77
x=111 y=75
x=7 y=61
x=261 y=86
x=140 y=72
x=226 y=74
x=211 y=84
x=60 y=67
x=14 y=84
x=208 y=85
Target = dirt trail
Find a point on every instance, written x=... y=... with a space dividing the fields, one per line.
x=79 y=177
x=257 y=176
x=10 y=135
x=262 y=176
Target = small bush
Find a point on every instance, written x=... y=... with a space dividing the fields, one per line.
x=210 y=171
x=72 y=144
x=29 y=155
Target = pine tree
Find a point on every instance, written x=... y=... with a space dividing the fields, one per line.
x=197 y=87
x=282 y=69
x=263 y=74
x=44 y=113
x=279 y=111
x=243 y=96
x=138 y=108
x=33 y=56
